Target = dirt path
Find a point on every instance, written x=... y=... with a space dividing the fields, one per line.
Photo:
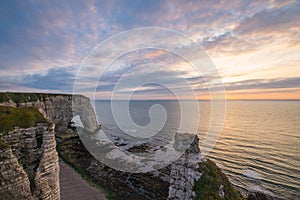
x=73 y=187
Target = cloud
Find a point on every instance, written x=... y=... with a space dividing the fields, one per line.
x=264 y=84
x=39 y=38
x=227 y=43
x=39 y=35
x=275 y=22
x=270 y=21
x=59 y=79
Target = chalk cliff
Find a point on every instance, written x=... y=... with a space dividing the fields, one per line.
x=59 y=108
x=29 y=167
x=29 y=163
x=185 y=170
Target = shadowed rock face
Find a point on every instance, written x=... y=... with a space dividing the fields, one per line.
x=14 y=180
x=29 y=164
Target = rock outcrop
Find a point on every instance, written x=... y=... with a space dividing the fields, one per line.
x=185 y=170
x=59 y=108
x=29 y=166
x=14 y=180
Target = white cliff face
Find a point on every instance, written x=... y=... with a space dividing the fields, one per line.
x=46 y=178
x=14 y=182
x=185 y=171
x=60 y=109
x=83 y=108
x=29 y=166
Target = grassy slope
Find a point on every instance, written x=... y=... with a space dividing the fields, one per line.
x=22 y=117
x=207 y=187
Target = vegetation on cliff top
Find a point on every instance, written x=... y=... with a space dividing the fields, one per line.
x=208 y=186
x=18 y=97
x=24 y=117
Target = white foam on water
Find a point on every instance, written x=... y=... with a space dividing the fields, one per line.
x=260 y=189
x=252 y=174
x=220 y=165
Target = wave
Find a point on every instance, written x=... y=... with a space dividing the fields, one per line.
x=260 y=189
x=252 y=174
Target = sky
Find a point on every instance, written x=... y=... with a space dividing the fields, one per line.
x=254 y=47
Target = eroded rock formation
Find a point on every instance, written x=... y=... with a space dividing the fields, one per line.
x=14 y=180
x=185 y=170
x=59 y=108
x=29 y=166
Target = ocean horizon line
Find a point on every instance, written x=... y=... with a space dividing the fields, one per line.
x=199 y=100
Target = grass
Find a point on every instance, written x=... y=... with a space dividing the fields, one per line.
x=20 y=97
x=66 y=136
x=24 y=117
x=207 y=187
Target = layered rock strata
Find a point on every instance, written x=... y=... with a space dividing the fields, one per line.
x=29 y=166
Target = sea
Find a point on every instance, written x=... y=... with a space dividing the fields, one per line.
x=258 y=146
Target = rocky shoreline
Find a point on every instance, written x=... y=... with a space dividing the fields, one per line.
x=190 y=177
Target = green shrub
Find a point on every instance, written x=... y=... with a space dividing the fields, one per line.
x=207 y=187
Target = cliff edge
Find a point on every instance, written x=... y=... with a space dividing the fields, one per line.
x=59 y=108
x=29 y=166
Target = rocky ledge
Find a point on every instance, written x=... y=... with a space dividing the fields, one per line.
x=180 y=180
